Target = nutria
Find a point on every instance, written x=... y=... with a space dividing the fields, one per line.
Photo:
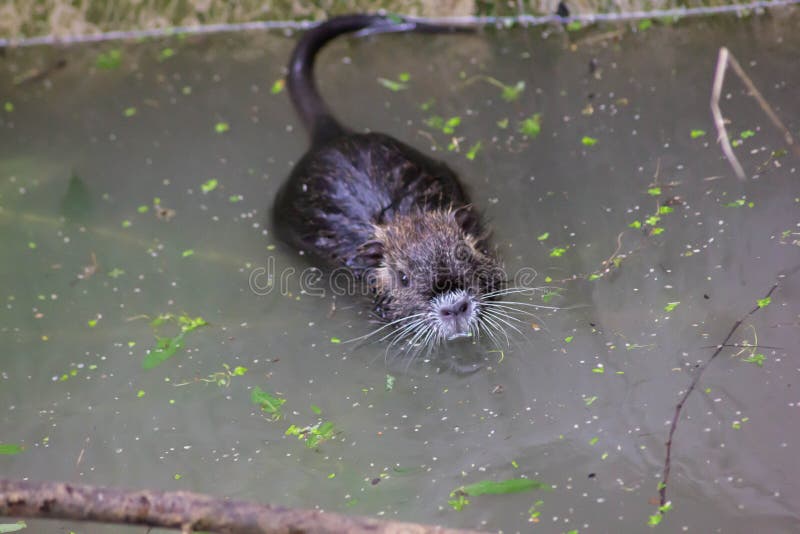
x=400 y=221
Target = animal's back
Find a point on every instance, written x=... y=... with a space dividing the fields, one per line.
x=340 y=190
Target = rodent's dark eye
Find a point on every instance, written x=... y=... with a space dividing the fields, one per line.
x=403 y=278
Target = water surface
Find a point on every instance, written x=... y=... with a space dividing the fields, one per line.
x=582 y=402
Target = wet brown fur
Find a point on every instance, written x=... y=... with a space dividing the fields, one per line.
x=436 y=255
x=397 y=219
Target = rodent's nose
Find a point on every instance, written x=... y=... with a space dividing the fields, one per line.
x=456 y=309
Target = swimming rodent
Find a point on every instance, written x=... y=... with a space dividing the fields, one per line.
x=398 y=220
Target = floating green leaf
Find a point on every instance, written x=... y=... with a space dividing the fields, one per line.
x=588 y=141
x=757 y=359
x=473 y=150
x=764 y=302
x=390 y=380
x=191 y=323
x=109 y=60
x=314 y=435
x=458 y=497
x=511 y=92
x=746 y=134
x=10 y=448
x=557 y=252
x=129 y=112
x=738 y=203
x=543 y=236
x=654 y=191
x=450 y=125
x=392 y=85
x=12 y=527
x=165 y=54
x=277 y=86
x=269 y=404
x=532 y=126
x=165 y=348
x=435 y=121
x=210 y=185
x=8 y=106
x=490 y=487
x=222 y=127
x=671 y=306
x=697 y=133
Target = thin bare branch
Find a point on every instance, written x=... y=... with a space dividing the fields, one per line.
x=724 y=59
x=719 y=121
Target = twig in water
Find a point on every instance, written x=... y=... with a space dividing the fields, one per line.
x=723 y=60
x=719 y=122
x=662 y=487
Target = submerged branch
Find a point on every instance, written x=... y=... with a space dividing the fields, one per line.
x=182 y=510
x=662 y=487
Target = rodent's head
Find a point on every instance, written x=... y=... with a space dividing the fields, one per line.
x=435 y=274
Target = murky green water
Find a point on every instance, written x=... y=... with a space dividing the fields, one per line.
x=583 y=402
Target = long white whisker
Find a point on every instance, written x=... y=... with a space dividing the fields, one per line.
x=506 y=315
x=515 y=290
x=497 y=317
x=506 y=307
x=528 y=304
x=496 y=326
x=404 y=328
x=383 y=327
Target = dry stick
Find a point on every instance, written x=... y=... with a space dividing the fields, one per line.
x=183 y=510
x=722 y=132
x=662 y=489
x=762 y=102
x=725 y=58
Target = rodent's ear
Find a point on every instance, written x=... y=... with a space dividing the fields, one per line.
x=467 y=218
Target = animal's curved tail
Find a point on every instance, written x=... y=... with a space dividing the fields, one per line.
x=318 y=120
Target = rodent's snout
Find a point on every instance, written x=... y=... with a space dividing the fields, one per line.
x=455 y=312
x=457 y=309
